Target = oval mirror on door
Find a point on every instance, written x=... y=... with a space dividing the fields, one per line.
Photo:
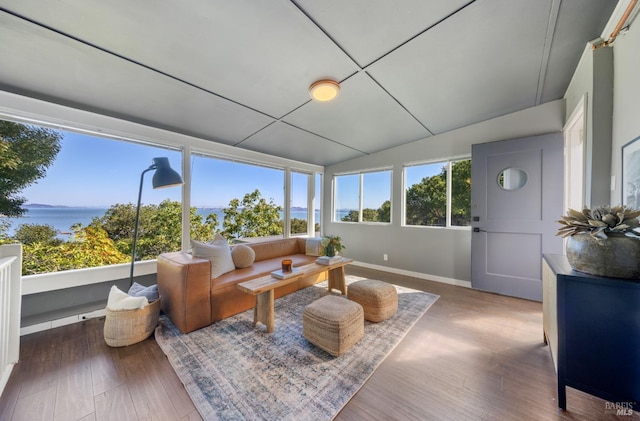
x=512 y=179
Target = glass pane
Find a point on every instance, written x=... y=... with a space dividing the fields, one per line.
x=80 y=210
x=346 y=198
x=426 y=194
x=461 y=193
x=246 y=199
x=299 y=213
x=376 y=194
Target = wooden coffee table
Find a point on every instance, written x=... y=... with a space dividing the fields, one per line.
x=263 y=287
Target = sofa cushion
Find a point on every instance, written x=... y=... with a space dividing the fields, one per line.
x=217 y=252
x=278 y=248
x=120 y=300
x=243 y=256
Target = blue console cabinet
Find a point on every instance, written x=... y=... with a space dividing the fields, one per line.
x=597 y=329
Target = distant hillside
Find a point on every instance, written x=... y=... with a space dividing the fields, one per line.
x=40 y=205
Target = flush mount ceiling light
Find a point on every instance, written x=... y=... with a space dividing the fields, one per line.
x=324 y=90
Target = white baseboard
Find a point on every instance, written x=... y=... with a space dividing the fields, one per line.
x=425 y=276
x=39 y=327
x=4 y=376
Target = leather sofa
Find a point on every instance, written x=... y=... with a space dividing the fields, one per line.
x=192 y=299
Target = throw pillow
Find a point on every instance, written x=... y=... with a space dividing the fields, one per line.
x=217 y=252
x=243 y=256
x=151 y=292
x=120 y=300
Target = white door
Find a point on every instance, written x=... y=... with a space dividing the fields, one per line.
x=516 y=199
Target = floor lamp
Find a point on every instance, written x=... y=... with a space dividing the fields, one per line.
x=164 y=176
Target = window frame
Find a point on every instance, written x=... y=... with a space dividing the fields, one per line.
x=32 y=111
x=361 y=174
x=449 y=163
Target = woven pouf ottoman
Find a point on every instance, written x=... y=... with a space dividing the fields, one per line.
x=333 y=323
x=378 y=299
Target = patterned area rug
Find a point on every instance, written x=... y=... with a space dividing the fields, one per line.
x=234 y=371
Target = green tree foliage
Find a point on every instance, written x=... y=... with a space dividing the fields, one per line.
x=108 y=240
x=352 y=216
x=26 y=152
x=159 y=229
x=36 y=233
x=461 y=193
x=90 y=247
x=299 y=226
x=382 y=214
x=252 y=216
x=369 y=215
x=4 y=228
x=426 y=201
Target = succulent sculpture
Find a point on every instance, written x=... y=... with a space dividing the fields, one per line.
x=601 y=221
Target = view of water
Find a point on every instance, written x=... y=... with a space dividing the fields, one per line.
x=63 y=218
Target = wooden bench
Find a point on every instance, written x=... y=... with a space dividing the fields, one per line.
x=263 y=287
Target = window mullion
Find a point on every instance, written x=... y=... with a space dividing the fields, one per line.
x=186 y=198
x=449 y=184
x=361 y=197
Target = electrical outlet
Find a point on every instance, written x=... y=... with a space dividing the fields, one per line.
x=385 y=257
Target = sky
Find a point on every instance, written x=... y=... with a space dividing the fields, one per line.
x=415 y=173
x=97 y=172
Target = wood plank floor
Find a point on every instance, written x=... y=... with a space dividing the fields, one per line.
x=472 y=356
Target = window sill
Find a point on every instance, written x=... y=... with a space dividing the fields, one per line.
x=33 y=284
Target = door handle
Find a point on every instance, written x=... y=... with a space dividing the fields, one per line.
x=476 y=229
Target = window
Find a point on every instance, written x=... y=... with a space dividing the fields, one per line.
x=80 y=203
x=438 y=194
x=80 y=212
x=363 y=197
x=246 y=199
x=299 y=200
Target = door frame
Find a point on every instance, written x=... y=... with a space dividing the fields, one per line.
x=579 y=112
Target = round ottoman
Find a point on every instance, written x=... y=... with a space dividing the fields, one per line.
x=333 y=323
x=378 y=299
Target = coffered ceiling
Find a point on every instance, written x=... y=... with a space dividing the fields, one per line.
x=237 y=72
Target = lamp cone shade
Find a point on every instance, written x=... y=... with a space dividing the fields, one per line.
x=164 y=176
x=324 y=90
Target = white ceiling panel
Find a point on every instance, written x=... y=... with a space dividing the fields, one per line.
x=67 y=72
x=275 y=51
x=363 y=117
x=237 y=72
x=469 y=69
x=576 y=19
x=368 y=29
x=284 y=140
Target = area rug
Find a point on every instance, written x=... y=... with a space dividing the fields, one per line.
x=233 y=370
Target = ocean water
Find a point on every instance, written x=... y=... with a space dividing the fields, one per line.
x=62 y=219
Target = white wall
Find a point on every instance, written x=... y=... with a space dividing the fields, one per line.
x=626 y=102
x=432 y=252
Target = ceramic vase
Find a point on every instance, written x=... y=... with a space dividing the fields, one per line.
x=617 y=257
